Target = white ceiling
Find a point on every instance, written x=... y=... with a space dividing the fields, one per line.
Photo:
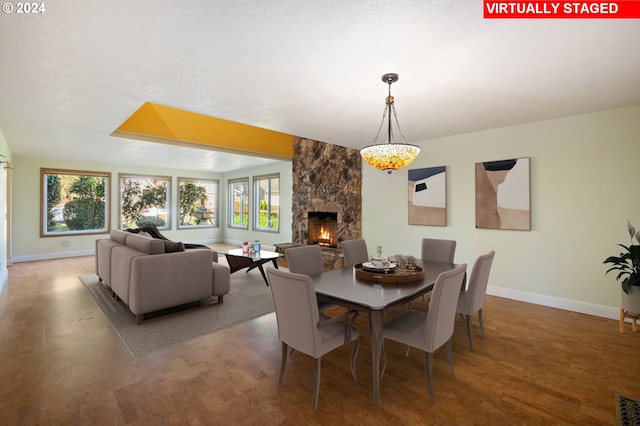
x=70 y=76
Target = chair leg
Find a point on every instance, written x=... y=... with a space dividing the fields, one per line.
x=467 y=320
x=283 y=362
x=622 y=320
x=480 y=320
x=354 y=354
x=406 y=350
x=428 y=359
x=448 y=347
x=316 y=386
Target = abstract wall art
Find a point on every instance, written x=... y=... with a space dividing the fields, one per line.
x=428 y=196
x=502 y=194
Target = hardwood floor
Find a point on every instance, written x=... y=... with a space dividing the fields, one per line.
x=62 y=363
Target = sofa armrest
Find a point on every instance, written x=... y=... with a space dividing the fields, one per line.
x=103 y=259
x=221 y=279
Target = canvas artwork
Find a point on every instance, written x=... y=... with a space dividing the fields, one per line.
x=427 y=196
x=502 y=194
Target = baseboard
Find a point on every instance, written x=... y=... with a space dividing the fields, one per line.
x=554 y=302
x=3 y=278
x=57 y=255
x=209 y=241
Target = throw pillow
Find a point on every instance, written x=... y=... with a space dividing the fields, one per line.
x=172 y=247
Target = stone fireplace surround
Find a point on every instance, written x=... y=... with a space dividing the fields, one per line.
x=326 y=178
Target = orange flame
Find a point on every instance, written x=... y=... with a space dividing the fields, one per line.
x=324 y=237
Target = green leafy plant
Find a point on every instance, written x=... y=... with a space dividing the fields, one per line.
x=85 y=210
x=627 y=264
x=191 y=197
x=53 y=198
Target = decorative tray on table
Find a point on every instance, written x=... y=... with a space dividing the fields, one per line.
x=366 y=271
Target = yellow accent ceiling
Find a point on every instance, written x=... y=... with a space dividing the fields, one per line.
x=160 y=123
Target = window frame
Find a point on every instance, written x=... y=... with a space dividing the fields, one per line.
x=231 y=204
x=256 y=202
x=45 y=171
x=214 y=204
x=167 y=206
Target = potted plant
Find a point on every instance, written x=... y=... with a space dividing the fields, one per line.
x=627 y=265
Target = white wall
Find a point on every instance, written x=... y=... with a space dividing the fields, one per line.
x=585 y=172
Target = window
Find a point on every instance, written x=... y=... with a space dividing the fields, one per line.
x=198 y=202
x=74 y=202
x=144 y=200
x=239 y=203
x=266 y=191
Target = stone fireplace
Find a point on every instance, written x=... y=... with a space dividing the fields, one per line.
x=323 y=229
x=327 y=178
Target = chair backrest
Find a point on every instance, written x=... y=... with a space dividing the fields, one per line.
x=305 y=260
x=355 y=251
x=296 y=306
x=438 y=250
x=442 y=307
x=477 y=288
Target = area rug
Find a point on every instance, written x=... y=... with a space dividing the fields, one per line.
x=627 y=411
x=248 y=298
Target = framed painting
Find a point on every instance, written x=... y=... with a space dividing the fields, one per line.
x=428 y=196
x=502 y=194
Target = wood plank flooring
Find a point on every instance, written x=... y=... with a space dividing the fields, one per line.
x=62 y=363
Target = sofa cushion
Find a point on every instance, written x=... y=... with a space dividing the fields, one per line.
x=144 y=244
x=118 y=236
x=172 y=247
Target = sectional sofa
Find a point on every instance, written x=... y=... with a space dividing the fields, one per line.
x=150 y=274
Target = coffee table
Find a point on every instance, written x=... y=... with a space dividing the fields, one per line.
x=237 y=260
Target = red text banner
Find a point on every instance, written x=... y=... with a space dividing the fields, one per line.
x=623 y=9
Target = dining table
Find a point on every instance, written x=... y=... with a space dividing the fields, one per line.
x=343 y=287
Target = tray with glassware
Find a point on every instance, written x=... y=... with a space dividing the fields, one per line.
x=383 y=270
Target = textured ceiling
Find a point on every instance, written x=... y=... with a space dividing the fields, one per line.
x=70 y=76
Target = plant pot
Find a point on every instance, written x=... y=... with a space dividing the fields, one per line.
x=631 y=301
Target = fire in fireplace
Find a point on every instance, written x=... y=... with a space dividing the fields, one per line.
x=323 y=229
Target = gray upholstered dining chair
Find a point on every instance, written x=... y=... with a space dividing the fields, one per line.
x=355 y=251
x=429 y=331
x=307 y=260
x=301 y=327
x=472 y=299
x=438 y=250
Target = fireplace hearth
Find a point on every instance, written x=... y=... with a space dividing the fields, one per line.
x=323 y=229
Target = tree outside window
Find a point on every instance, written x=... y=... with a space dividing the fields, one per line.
x=198 y=202
x=74 y=202
x=267 y=200
x=239 y=203
x=144 y=200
